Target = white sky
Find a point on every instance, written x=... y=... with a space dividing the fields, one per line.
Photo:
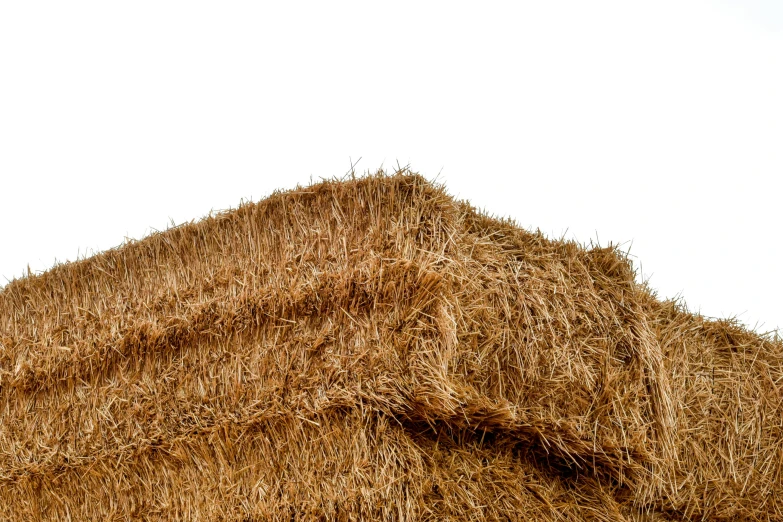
x=657 y=123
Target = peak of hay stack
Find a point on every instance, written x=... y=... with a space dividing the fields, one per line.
x=375 y=350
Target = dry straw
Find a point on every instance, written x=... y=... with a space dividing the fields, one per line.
x=372 y=349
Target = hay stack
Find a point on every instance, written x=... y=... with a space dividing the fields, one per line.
x=375 y=350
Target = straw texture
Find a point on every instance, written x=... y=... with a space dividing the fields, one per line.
x=372 y=349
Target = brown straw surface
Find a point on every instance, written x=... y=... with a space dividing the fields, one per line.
x=372 y=349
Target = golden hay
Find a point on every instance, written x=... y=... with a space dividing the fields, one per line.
x=374 y=350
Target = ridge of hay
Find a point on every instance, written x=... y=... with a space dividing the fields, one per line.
x=372 y=349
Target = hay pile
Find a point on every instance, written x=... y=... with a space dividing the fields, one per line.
x=375 y=350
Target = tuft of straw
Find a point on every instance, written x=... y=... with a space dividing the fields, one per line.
x=372 y=349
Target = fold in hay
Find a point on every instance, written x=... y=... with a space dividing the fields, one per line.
x=372 y=349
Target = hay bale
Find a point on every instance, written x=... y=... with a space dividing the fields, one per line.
x=374 y=350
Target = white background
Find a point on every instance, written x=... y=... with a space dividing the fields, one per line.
x=658 y=125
